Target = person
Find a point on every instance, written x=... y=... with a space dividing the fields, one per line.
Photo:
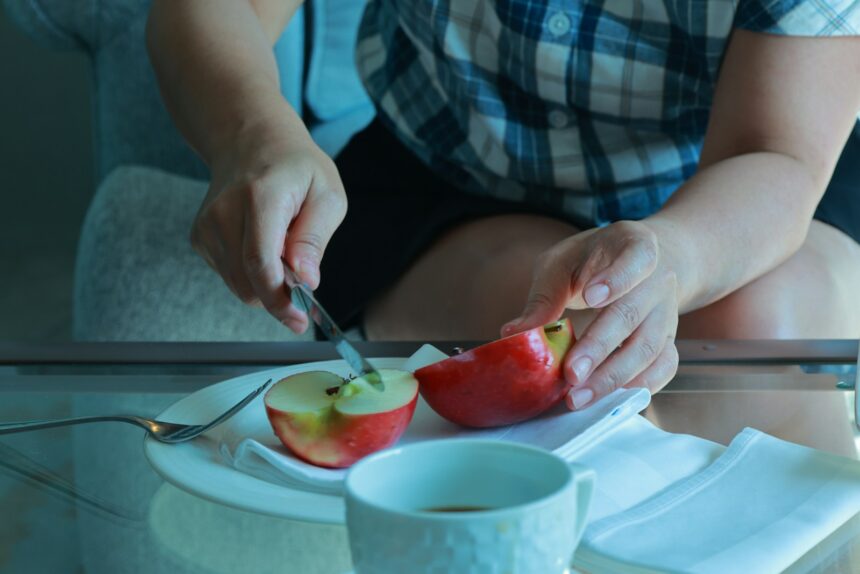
x=652 y=169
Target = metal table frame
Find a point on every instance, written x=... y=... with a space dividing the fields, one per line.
x=47 y=357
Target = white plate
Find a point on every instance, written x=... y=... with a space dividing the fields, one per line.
x=197 y=467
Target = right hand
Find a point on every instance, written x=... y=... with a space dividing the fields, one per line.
x=267 y=203
x=624 y=273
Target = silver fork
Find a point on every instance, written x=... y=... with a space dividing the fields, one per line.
x=159 y=430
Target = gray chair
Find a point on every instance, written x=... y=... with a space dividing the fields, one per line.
x=136 y=275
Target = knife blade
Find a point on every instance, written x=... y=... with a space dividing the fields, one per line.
x=304 y=300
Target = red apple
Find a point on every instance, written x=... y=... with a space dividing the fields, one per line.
x=500 y=383
x=330 y=422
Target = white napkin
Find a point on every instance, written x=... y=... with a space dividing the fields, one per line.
x=247 y=443
x=758 y=508
x=638 y=460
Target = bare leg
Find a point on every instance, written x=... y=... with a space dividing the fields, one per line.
x=817 y=418
x=470 y=282
x=476 y=278
x=813 y=295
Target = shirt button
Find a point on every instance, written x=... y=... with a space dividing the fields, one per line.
x=559 y=24
x=558 y=119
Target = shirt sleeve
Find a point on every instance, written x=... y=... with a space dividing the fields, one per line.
x=800 y=17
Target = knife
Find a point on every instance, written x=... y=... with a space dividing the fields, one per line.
x=304 y=300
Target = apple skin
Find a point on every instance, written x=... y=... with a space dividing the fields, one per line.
x=334 y=439
x=503 y=382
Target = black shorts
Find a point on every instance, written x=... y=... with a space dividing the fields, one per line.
x=398 y=207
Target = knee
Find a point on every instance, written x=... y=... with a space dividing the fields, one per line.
x=506 y=274
x=808 y=297
x=745 y=314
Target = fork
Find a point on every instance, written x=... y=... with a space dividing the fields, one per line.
x=159 y=430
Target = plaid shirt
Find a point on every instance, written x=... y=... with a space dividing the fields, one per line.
x=593 y=109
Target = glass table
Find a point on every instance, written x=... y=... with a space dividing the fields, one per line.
x=84 y=499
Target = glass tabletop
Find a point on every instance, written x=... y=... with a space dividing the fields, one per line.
x=84 y=498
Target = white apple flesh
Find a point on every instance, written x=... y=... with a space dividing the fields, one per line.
x=330 y=422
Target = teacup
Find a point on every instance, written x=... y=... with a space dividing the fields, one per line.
x=466 y=506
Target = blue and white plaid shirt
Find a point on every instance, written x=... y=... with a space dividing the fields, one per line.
x=594 y=109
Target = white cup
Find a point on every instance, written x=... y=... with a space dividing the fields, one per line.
x=537 y=508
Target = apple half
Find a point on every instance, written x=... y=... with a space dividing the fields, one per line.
x=332 y=422
x=503 y=382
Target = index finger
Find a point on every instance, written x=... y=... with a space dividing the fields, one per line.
x=601 y=287
x=311 y=230
x=265 y=227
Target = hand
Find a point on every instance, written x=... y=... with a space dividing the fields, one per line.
x=265 y=203
x=620 y=272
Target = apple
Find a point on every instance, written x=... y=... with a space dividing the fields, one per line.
x=503 y=382
x=328 y=421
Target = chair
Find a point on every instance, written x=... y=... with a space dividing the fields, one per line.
x=136 y=276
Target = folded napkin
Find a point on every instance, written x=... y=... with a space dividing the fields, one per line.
x=246 y=441
x=758 y=507
x=638 y=460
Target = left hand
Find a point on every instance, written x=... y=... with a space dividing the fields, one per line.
x=620 y=272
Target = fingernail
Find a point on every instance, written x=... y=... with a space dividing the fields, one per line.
x=510 y=327
x=581 y=368
x=596 y=294
x=295 y=325
x=581 y=397
x=309 y=271
x=294 y=313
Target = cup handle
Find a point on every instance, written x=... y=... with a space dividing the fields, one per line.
x=584 y=478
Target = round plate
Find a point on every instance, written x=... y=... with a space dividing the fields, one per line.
x=197 y=467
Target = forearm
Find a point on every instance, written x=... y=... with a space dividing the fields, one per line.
x=217 y=72
x=734 y=221
x=783 y=108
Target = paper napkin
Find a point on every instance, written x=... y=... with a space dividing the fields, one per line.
x=247 y=443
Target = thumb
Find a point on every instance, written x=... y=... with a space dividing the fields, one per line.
x=548 y=295
x=309 y=235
